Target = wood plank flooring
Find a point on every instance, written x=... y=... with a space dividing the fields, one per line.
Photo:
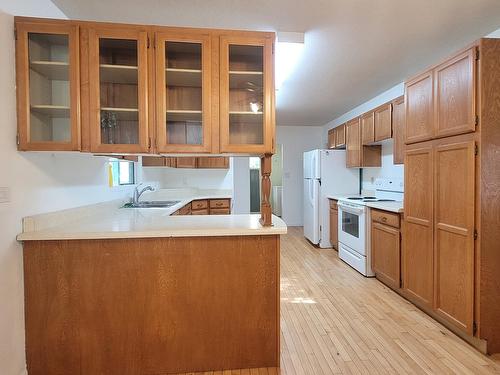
x=335 y=321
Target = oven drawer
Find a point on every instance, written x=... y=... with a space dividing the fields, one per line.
x=385 y=217
x=354 y=259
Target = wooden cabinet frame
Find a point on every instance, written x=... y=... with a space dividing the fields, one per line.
x=141 y=36
x=205 y=39
x=23 y=89
x=268 y=95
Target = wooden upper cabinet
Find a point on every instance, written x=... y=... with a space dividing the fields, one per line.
x=340 y=136
x=419 y=108
x=125 y=89
x=183 y=91
x=186 y=162
x=367 y=128
x=48 y=86
x=383 y=122
x=353 y=143
x=418 y=258
x=398 y=129
x=454 y=232
x=118 y=86
x=246 y=94
x=212 y=162
x=331 y=138
x=455 y=91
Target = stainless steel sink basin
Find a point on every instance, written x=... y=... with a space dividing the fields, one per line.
x=151 y=204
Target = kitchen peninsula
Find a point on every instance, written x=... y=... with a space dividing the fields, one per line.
x=128 y=291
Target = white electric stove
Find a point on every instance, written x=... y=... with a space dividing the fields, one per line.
x=354 y=223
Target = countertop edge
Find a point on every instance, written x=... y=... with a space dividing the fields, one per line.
x=47 y=236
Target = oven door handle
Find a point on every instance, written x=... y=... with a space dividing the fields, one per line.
x=352 y=210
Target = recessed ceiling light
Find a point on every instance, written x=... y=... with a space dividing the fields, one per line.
x=289 y=46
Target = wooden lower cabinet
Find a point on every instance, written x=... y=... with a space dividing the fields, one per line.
x=206 y=207
x=152 y=305
x=334 y=224
x=386 y=248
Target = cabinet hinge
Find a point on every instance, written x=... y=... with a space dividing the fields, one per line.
x=15 y=33
x=149 y=143
x=477 y=120
x=475 y=234
x=476 y=150
x=17 y=139
x=148 y=43
x=477 y=54
x=474 y=328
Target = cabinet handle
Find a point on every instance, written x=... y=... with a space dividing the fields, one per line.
x=383 y=218
x=218 y=204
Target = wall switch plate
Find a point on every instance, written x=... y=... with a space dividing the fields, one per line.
x=4 y=195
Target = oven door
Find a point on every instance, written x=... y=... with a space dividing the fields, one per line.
x=352 y=227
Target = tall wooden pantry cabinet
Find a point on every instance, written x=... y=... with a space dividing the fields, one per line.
x=451 y=251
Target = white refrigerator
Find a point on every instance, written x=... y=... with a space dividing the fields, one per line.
x=325 y=174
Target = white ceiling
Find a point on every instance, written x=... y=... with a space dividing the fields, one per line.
x=354 y=49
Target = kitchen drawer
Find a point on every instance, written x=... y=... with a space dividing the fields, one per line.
x=219 y=203
x=186 y=210
x=385 y=217
x=200 y=212
x=333 y=204
x=220 y=211
x=199 y=205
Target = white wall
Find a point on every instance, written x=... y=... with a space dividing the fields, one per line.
x=184 y=177
x=38 y=182
x=295 y=140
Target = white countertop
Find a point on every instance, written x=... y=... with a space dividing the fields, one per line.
x=396 y=207
x=110 y=220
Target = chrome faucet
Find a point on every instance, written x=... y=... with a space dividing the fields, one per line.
x=137 y=193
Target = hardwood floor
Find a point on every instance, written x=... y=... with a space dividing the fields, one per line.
x=335 y=321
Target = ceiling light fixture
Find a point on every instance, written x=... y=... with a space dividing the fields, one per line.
x=289 y=46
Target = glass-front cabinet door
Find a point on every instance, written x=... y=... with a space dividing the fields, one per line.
x=246 y=94
x=118 y=76
x=48 y=86
x=183 y=92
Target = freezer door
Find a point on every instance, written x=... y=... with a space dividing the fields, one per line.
x=312 y=164
x=311 y=210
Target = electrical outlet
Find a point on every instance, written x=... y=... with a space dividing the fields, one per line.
x=4 y=195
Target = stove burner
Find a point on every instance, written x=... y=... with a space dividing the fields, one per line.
x=355 y=198
x=386 y=200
